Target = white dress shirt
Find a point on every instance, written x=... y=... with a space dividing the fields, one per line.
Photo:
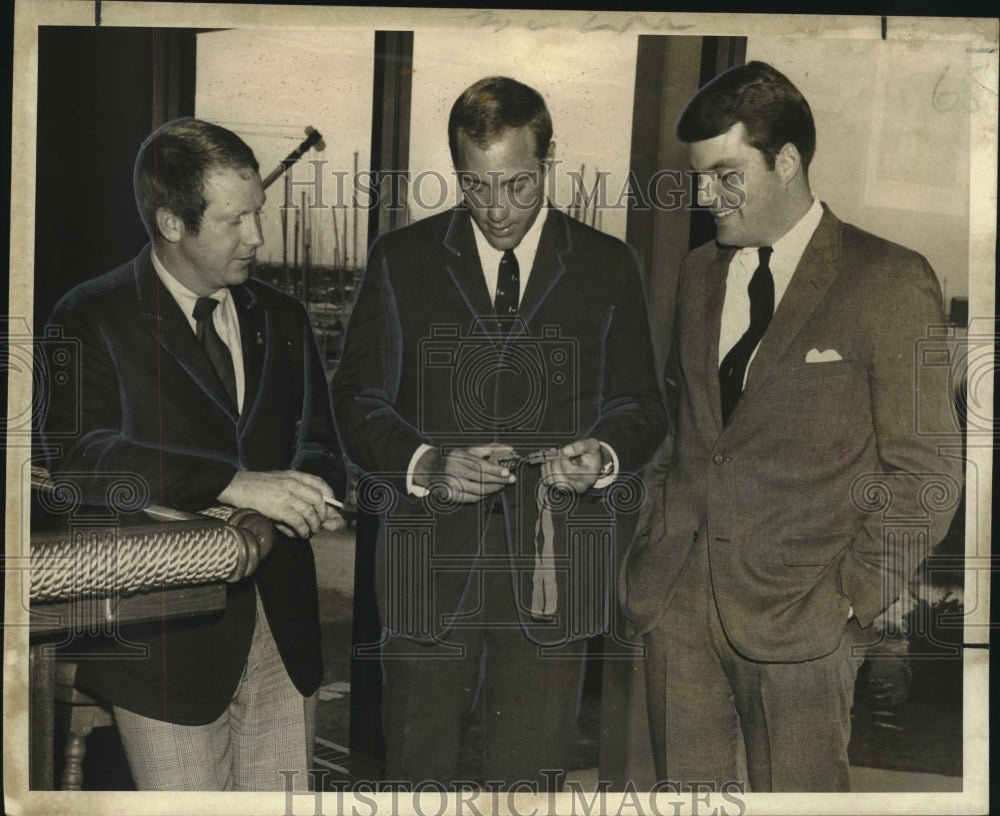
x=224 y=318
x=786 y=256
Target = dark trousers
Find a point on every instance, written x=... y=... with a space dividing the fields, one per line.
x=525 y=698
x=716 y=717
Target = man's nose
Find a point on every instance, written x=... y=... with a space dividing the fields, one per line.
x=252 y=233
x=708 y=191
x=499 y=208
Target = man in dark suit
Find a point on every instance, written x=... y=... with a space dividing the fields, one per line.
x=208 y=385
x=494 y=331
x=771 y=538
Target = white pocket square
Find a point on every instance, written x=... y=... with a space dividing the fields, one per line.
x=824 y=356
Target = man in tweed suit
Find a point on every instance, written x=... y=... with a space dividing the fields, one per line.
x=793 y=377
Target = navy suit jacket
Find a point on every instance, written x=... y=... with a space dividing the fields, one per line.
x=424 y=363
x=152 y=405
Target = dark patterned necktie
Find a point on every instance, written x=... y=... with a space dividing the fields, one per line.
x=508 y=286
x=218 y=351
x=734 y=365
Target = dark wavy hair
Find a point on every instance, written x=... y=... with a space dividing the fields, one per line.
x=172 y=164
x=493 y=105
x=771 y=108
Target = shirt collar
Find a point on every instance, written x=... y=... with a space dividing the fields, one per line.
x=789 y=247
x=185 y=298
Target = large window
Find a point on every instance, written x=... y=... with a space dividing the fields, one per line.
x=269 y=87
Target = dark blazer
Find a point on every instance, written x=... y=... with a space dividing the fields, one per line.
x=151 y=404
x=826 y=487
x=424 y=364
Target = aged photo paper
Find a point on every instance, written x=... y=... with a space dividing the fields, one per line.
x=906 y=118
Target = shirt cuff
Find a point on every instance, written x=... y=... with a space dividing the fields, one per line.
x=411 y=488
x=604 y=481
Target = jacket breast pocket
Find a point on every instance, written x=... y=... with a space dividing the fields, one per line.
x=832 y=368
x=821 y=378
x=832 y=396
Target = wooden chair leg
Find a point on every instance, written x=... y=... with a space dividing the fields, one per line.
x=76 y=750
x=78 y=727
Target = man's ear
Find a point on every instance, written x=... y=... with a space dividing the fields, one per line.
x=550 y=153
x=788 y=162
x=170 y=226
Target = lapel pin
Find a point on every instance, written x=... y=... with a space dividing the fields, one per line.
x=260 y=340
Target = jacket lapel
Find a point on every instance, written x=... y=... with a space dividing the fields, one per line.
x=711 y=284
x=813 y=276
x=170 y=327
x=549 y=265
x=254 y=338
x=463 y=264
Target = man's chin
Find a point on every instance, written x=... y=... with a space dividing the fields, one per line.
x=501 y=238
x=237 y=278
x=503 y=242
x=728 y=236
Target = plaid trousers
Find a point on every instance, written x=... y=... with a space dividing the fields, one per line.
x=267 y=727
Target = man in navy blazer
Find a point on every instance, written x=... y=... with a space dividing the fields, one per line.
x=482 y=336
x=208 y=385
x=808 y=476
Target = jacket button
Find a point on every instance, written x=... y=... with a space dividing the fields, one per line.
x=719 y=459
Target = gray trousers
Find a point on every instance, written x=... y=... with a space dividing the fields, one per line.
x=716 y=717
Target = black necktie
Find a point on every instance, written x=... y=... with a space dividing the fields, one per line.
x=508 y=286
x=734 y=364
x=218 y=351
